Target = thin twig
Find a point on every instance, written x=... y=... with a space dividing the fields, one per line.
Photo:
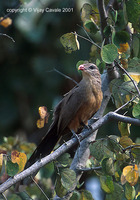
x=125 y=104
x=65 y=76
x=87 y=34
x=131 y=147
x=135 y=85
x=87 y=39
x=10 y=13
x=4 y=196
x=89 y=169
x=39 y=188
x=3 y=34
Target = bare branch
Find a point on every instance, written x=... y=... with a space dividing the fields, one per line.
x=65 y=147
x=65 y=76
x=3 y=34
x=103 y=18
x=124 y=105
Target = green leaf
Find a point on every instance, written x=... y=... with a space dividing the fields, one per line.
x=48 y=170
x=60 y=190
x=107 y=184
x=136 y=111
x=98 y=150
x=136 y=153
x=109 y=53
x=133 y=13
x=121 y=91
x=117 y=194
x=113 y=144
x=76 y=196
x=121 y=21
x=134 y=65
x=69 y=42
x=86 y=11
x=24 y=196
x=85 y=195
x=136 y=45
x=120 y=37
x=14 y=196
x=124 y=128
x=108 y=166
x=68 y=178
x=129 y=191
x=91 y=26
x=12 y=168
x=64 y=159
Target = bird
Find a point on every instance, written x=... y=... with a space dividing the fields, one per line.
x=73 y=111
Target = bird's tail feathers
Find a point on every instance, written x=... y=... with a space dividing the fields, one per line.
x=45 y=147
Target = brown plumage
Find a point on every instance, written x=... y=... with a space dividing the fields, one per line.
x=74 y=110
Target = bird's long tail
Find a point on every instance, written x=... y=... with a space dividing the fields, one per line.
x=45 y=147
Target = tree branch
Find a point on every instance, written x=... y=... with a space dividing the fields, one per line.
x=65 y=147
x=103 y=17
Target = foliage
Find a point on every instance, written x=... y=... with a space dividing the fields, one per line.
x=118 y=156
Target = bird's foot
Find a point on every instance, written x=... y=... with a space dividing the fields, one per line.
x=76 y=136
x=86 y=126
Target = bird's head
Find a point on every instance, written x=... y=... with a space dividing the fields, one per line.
x=89 y=69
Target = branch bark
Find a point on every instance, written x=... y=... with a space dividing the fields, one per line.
x=65 y=147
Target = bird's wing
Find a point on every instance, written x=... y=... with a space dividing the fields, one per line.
x=68 y=107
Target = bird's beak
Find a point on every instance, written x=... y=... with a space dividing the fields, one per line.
x=81 y=67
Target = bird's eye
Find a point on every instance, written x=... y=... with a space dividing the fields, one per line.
x=92 y=67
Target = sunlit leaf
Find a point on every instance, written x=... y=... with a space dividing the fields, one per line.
x=6 y=22
x=70 y=42
x=131 y=174
x=19 y=158
x=124 y=128
x=1 y=161
x=125 y=141
x=44 y=115
x=123 y=48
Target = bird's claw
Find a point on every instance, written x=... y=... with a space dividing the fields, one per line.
x=76 y=136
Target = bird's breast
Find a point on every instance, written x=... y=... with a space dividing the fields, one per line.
x=91 y=103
